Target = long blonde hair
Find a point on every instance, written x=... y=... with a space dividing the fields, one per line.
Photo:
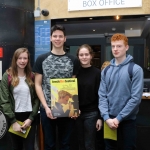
x=13 y=71
x=105 y=64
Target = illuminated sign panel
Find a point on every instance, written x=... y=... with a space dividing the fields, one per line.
x=75 y=5
x=1 y=52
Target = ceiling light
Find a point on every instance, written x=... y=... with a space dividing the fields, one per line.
x=117 y=17
x=131 y=28
x=94 y=30
x=90 y=18
x=113 y=29
x=65 y=19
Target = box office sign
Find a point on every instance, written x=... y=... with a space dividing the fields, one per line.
x=75 y=5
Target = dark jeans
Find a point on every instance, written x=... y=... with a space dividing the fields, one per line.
x=20 y=143
x=126 y=134
x=5 y=142
x=65 y=127
x=86 y=127
x=100 y=144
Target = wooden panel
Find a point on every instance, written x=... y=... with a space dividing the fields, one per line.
x=59 y=9
x=41 y=138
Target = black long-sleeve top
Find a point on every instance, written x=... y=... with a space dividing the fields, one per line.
x=88 y=85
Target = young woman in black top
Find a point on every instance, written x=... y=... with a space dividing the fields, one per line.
x=88 y=84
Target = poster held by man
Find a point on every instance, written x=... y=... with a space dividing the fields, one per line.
x=64 y=97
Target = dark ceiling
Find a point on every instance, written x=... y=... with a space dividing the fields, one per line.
x=132 y=26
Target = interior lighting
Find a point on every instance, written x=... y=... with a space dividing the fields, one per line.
x=117 y=17
x=113 y=29
x=90 y=18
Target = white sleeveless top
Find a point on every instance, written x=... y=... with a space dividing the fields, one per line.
x=22 y=96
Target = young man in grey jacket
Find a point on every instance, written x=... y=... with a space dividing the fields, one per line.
x=120 y=95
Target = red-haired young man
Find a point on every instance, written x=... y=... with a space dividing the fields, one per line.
x=119 y=95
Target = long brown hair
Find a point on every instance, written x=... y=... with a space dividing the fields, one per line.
x=88 y=48
x=13 y=71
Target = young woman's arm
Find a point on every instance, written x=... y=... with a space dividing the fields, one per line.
x=6 y=99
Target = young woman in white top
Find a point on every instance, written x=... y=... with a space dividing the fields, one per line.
x=19 y=100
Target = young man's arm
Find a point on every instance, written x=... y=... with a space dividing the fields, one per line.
x=136 y=95
x=39 y=91
x=103 y=103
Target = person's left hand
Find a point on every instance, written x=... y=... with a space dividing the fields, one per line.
x=26 y=124
x=116 y=122
x=99 y=124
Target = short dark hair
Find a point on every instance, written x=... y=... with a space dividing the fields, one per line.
x=58 y=27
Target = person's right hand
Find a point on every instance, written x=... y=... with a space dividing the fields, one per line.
x=16 y=127
x=49 y=113
x=75 y=115
x=111 y=124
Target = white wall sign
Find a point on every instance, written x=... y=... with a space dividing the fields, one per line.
x=74 y=5
x=0 y=70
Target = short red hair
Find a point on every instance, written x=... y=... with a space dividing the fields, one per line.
x=118 y=37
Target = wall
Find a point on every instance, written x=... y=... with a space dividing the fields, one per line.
x=148 y=47
x=16 y=28
x=90 y=41
x=136 y=43
x=59 y=9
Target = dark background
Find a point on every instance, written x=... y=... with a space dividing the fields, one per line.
x=16 y=28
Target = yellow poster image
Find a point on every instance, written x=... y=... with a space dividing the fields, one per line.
x=64 y=97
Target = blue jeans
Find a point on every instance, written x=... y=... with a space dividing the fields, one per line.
x=86 y=127
x=126 y=134
x=65 y=127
